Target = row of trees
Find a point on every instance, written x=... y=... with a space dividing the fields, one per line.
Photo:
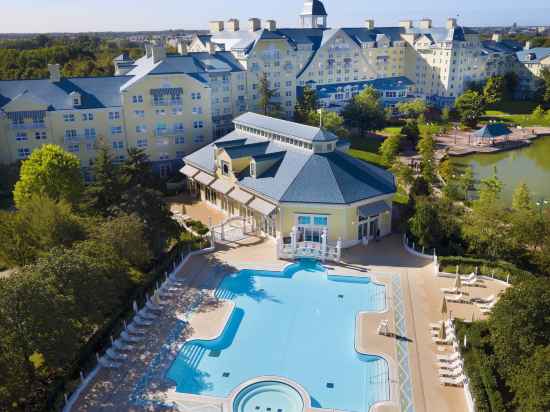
x=78 y=252
x=80 y=56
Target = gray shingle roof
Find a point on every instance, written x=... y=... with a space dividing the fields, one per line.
x=534 y=55
x=96 y=92
x=305 y=177
x=286 y=128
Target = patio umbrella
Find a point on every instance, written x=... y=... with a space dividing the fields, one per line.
x=465 y=343
x=442 y=331
x=444 y=306
x=458 y=282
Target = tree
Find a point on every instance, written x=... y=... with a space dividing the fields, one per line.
x=532 y=386
x=267 y=94
x=52 y=172
x=521 y=200
x=364 y=111
x=38 y=226
x=412 y=108
x=466 y=182
x=390 y=148
x=424 y=224
x=9 y=174
x=445 y=119
x=411 y=131
x=332 y=121
x=105 y=190
x=426 y=148
x=494 y=90
x=545 y=76
x=306 y=104
x=470 y=107
x=538 y=114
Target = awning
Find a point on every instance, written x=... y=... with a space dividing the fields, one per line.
x=221 y=186
x=240 y=195
x=189 y=171
x=265 y=208
x=373 y=209
x=204 y=178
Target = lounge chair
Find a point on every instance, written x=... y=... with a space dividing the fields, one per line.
x=450 y=291
x=458 y=381
x=486 y=300
x=469 y=278
x=437 y=325
x=453 y=373
x=457 y=299
x=449 y=358
x=487 y=308
x=111 y=353
x=145 y=314
x=125 y=336
x=139 y=321
x=450 y=365
x=121 y=346
x=153 y=306
x=449 y=332
x=106 y=363
x=135 y=329
x=447 y=341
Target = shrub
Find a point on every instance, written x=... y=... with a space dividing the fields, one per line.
x=498 y=268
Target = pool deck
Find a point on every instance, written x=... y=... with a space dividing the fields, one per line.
x=414 y=300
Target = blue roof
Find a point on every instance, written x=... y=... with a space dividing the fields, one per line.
x=286 y=128
x=96 y=92
x=492 y=130
x=301 y=176
x=503 y=46
x=534 y=55
x=389 y=83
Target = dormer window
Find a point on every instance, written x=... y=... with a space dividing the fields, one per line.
x=225 y=168
x=76 y=99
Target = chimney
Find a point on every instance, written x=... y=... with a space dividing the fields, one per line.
x=148 y=50
x=369 y=24
x=270 y=25
x=425 y=23
x=254 y=24
x=451 y=23
x=527 y=45
x=182 y=47
x=55 y=72
x=496 y=37
x=159 y=53
x=233 y=25
x=216 y=26
x=406 y=24
x=211 y=47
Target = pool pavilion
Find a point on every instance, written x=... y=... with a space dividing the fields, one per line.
x=293 y=183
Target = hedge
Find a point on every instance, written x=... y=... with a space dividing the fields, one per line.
x=499 y=269
x=86 y=359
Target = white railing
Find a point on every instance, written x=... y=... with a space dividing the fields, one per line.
x=311 y=250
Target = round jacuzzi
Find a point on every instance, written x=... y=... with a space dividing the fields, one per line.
x=268 y=396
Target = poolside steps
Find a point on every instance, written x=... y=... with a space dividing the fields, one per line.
x=193 y=353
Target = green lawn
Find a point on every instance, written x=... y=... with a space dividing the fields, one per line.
x=367 y=156
x=387 y=131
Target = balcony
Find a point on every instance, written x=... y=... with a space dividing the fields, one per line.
x=167 y=103
x=27 y=126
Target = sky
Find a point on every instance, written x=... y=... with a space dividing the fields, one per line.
x=24 y=16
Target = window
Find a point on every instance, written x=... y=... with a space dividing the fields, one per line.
x=180 y=140
x=160 y=112
x=177 y=111
x=40 y=135
x=198 y=110
x=70 y=135
x=195 y=96
x=68 y=117
x=304 y=220
x=225 y=168
x=141 y=128
x=199 y=139
x=137 y=99
x=116 y=130
x=73 y=148
x=178 y=127
x=21 y=136
x=198 y=124
x=114 y=115
x=142 y=143
x=117 y=145
x=87 y=117
x=139 y=113
x=90 y=133
x=23 y=153
x=320 y=220
x=180 y=154
x=164 y=156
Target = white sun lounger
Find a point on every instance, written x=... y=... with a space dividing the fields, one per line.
x=450 y=365
x=106 y=363
x=453 y=373
x=448 y=358
x=450 y=291
x=139 y=321
x=457 y=299
x=487 y=300
x=471 y=282
x=111 y=353
x=120 y=345
x=469 y=278
x=135 y=329
x=125 y=336
x=449 y=332
x=488 y=306
x=458 y=381
x=450 y=339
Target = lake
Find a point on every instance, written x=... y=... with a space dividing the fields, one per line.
x=530 y=164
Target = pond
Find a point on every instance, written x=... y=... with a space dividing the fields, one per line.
x=530 y=164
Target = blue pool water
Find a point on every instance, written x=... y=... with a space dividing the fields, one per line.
x=298 y=324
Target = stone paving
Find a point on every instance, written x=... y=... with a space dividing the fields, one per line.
x=414 y=301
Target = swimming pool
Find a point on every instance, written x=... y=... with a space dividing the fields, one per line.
x=298 y=324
